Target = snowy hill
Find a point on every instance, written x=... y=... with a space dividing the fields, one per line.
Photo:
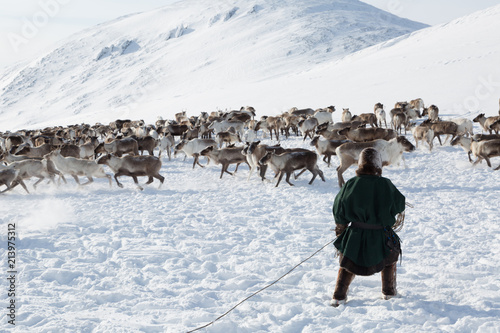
x=160 y=62
x=454 y=66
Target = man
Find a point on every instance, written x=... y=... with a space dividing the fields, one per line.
x=364 y=212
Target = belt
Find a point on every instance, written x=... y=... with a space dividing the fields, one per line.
x=362 y=225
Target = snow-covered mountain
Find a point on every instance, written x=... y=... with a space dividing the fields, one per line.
x=453 y=65
x=159 y=62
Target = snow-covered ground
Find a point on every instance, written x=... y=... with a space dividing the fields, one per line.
x=101 y=259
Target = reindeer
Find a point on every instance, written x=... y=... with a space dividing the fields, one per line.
x=391 y=152
x=380 y=114
x=288 y=162
x=226 y=157
x=134 y=166
x=487 y=122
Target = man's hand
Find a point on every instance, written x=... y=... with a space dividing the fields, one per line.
x=339 y=228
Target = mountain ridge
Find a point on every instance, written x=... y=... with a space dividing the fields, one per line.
x=190 y=48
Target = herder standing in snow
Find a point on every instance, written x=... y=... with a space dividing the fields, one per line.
x=364 y=212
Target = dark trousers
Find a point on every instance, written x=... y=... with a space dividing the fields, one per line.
x=345 y=278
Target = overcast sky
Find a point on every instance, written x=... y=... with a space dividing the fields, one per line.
x=29 y=28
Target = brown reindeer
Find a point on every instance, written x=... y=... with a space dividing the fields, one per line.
x=288 y=162
x=36 y=152
x=226 y=157
x=487 y=122
x=119 y=147
x=432 y=112
x=417 y=104
x=367 y=134
x=442 y=128
x=367 y=118
x=134 y=166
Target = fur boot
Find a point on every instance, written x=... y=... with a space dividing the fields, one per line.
x=344 y=279
x=389 y=281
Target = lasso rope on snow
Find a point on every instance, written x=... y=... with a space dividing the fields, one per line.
x=400 y=220
x=255 y=293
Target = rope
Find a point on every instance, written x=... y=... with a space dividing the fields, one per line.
x=400 y=219
x=255 y=293
x=269 y=285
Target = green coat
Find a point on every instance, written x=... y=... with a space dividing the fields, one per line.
x=369 y=199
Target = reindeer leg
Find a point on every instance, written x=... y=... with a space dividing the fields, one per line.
x=160 y=178
x=91 y=180
x=281 y=176
x=38 y=182
x=250 y=172
x=231 y=173
x=313 y=177
x=76 y=179
x=301 y=172
x=236 y=169
x=288 y=178
x=479 y=159
x=320 y=173
x=488 y=161
x=20 y=181
x=118 y=174
x=340 y=171
x=262 y=172
x=137 y=182
x=14 y=184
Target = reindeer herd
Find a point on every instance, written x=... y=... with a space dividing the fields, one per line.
x=233 y=137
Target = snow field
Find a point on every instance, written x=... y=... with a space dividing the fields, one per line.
x=101 y=259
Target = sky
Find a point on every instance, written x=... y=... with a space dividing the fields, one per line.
x=30 y=28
